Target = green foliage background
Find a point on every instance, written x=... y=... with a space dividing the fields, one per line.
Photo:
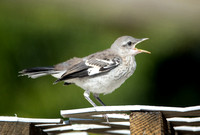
x=46 y=32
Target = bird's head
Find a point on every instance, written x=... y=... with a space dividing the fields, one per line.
x=126 y=45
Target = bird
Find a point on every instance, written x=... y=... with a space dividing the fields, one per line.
x=98 y=73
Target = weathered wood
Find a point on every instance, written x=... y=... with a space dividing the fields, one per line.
x=19 y=128
x=118 y=121
x=171 y=130
x=148 y=123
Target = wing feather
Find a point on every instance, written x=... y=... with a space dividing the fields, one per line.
x=91 y=66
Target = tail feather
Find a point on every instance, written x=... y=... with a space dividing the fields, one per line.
x=37 y=72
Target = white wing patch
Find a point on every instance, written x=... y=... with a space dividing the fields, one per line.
x=93 y=71
x=94 y=68
x=100 y=65
x=59 y=74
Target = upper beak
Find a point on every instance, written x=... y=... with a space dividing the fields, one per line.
x=140 y=50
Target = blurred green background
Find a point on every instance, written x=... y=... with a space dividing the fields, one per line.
x=46 y=32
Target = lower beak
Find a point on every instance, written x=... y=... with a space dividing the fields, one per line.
x=142 y=51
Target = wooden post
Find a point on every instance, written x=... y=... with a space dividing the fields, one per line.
x=19 y=128
x=148 y=123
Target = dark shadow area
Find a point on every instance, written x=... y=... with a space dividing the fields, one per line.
x=177 y=78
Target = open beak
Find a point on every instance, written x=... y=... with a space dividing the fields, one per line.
x=140 y=50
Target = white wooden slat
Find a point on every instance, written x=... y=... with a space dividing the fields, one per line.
x=74 y=133
x=187 y=128
x=168 y=111
x=29 y=120
x=45 y=126
x=119 y=125
x=122 y=132
x=89 y=128
x=109 y=132
x=127 y=123
x=75 y=127
x=114 y=116
x=179 y=121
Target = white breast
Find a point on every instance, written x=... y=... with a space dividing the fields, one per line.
x=108 y=82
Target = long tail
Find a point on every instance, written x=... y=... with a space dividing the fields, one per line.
x=38 y=72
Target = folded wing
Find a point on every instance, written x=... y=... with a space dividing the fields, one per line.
x=91 y=66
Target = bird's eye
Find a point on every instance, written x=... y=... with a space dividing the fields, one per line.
x=129 y=43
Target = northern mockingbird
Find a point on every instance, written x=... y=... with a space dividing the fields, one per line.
x=98 y=73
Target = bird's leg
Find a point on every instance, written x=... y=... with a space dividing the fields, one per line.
x=87 y=96
x=96 y=96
